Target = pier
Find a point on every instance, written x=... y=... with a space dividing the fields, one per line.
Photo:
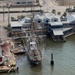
x=10 y=62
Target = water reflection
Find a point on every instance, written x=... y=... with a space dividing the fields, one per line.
x=36 y=70
x=50 y=45
x=52 y=69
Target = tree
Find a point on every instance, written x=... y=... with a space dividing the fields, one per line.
x=59 y=13
x=13 y=19
x=20 y=17
x=64 y=14
x=10 y=30
x=54 y=11
x=74 y=7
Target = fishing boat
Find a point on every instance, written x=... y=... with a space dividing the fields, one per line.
x=34 y=52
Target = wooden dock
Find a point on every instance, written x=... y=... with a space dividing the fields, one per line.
x=7 y=69
x=10 y=64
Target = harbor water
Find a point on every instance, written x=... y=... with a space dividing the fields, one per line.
x=64 y=60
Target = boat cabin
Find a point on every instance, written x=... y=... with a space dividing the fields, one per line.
x=33 y=46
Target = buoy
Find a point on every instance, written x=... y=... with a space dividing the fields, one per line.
x=17 y=69
x=52 y=61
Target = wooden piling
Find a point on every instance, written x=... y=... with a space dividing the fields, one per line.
x=52 y=61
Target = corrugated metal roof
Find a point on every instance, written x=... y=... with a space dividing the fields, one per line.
x=37 y=16
x=25 y=20
x=58 y=31
x=56 y=23
x=15 y=24
x=70 y=17
x=65 y=29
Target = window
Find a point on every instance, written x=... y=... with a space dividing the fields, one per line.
x=16 y=27
x=47 y=21
x=29 y=2
x=55 y=20
x=23 y=2
x=18 y=3
x=37 y=1
x=39 y=21
x=28 y=21
x=0 y=59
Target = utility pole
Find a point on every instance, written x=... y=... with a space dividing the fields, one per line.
x=32 y=16
x=8 y=6
x=8 y=14
x=2 y=6
x=3 y=14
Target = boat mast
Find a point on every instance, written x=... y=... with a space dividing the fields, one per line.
x=32 y=21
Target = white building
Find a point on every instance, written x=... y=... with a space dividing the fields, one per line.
x=23 y=2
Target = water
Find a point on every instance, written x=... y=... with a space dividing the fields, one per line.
x=64 y=57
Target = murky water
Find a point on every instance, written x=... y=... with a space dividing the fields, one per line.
x=64 y=57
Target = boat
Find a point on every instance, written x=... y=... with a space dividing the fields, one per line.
x=34 y=53
x=33 y=49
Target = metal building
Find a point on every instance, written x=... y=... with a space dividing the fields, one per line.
x=22 y=2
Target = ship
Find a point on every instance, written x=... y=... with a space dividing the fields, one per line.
x=34 y=53
x=33 y=48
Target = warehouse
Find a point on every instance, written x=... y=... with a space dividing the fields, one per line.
x=23 y=2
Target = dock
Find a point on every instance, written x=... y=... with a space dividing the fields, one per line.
x=10 y=64
x=18 y=50
x=6 y=69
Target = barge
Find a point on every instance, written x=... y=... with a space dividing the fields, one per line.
x=7 y=59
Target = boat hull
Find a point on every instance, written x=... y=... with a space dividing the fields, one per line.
x=33 y=62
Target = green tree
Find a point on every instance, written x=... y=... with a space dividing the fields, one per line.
x=64 y=14
x=12 y=19
x=74 y=7
x=10 y=30
x=59 y=13
x=54 y=11
x=22 y=16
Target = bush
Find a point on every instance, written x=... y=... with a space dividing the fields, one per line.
x=59 y=13
x=73 y=10
x=54 y=11
x=13 y=19
x=20 y=17
x=64 y=14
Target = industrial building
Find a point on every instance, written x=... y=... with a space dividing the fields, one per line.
x=23 y=2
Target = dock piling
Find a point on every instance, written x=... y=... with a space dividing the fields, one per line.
x=52 y=61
